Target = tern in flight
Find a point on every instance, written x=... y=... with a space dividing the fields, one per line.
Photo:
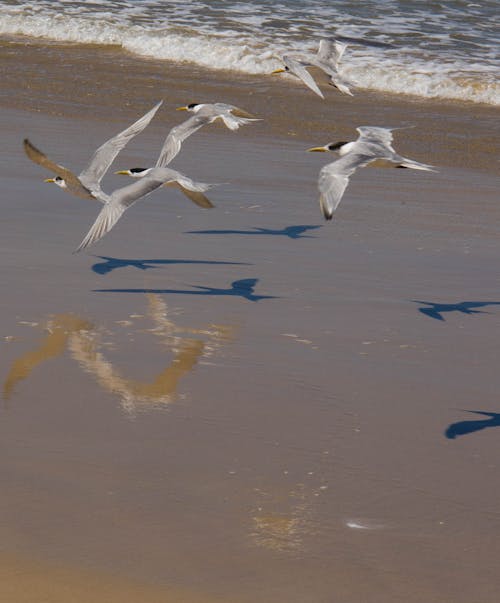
x=204 y=113
x=87 y=183
x=327 y=59
x=373 y=145
x=123 y=198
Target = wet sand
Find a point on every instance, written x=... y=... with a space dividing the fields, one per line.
x=306 y=435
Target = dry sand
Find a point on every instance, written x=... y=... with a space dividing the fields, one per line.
x=166 y=436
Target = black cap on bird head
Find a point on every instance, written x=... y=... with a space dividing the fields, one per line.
x=334 y=146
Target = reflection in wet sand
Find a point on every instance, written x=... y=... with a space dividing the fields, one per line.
x=84 y=340
x=167 y=328
x=282 y=523
x=53 y=345
x=133 y=393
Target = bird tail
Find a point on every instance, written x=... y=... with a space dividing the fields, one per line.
x=233 y=122
x=341 y=84
x=416 y=165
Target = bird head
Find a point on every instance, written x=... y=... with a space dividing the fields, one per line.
x=191 y=107
x=57 y=180
x=331 y=146
x=134 y=172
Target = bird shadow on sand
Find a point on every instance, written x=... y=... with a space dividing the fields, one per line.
x=109 y=264
x=292 y=232
x=464 y=427
x=241 y=288
x=436 y=310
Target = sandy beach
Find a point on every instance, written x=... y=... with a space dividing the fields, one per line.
x=246 y=404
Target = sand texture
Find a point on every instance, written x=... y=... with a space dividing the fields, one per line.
x=247 y=403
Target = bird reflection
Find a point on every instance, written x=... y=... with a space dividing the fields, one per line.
x=241 y=288
x=84 y=341
x=292 y=232
x=134 y=393
x=109 y=264
x=167 y=328
x=463 y=427
x=53 y=345
x=436 y=310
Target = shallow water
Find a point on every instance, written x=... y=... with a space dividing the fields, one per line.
x=432 y=50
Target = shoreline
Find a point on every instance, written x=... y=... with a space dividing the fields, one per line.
x=452 y=134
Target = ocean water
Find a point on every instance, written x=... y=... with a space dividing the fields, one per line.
x=447 y=49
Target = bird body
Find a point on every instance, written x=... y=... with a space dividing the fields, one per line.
x=373 y=145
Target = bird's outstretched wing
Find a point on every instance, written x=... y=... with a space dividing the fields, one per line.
x=378 y=135
x=120 y=200
x=298 y=69
x=334 y=178
x=178 y=135
x=330 y=52
x=327 y=59
x=107 y=218
x=72 y=182
x=92 y=175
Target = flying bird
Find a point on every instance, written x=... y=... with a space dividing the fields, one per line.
x=123 y=198
x=327 y=59
x=204 y=113
x=87 y=184
x=373 y=145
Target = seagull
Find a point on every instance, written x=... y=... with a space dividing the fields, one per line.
x=373 y=144
x=327 y=59
x=87 y=184
x=204 y=113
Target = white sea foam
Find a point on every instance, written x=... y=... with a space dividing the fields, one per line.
x=405 y=71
